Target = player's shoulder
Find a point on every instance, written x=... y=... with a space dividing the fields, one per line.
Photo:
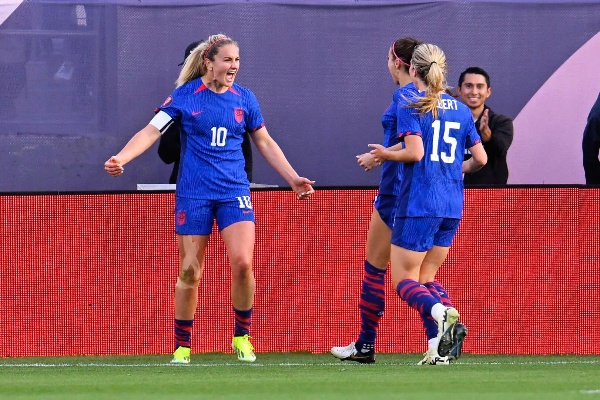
x=187 y=88
x=461 y=108
x=406 y=93
x=406 y=100
x=247 y=95
x=241 y=90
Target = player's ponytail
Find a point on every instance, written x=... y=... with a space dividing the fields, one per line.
x=429 y=62
x=195 y=65
x=192 y=66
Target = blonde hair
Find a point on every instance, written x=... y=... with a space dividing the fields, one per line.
x=195 y=65
x=429 y=61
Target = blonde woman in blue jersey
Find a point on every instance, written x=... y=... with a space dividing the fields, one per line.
x=436 y=130
x=213 y=113
x=372 y=297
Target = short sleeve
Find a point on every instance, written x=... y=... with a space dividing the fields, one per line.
x=408 y=120
x=170 y=106
x=255 y=120
x=472 y=136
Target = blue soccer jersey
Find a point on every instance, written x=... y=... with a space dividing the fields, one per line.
x=433 y=187
x=391 y=170
x=212 y=130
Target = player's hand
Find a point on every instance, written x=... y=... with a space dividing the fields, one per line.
x=113 y=166
x=303 y=187
x=367 y=161
x=379 y=153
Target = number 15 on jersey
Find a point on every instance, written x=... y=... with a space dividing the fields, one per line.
x=447 y=138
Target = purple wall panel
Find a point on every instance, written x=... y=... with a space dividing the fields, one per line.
x=318 y=70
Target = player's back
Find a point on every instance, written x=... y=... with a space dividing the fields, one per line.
x=433 y=186
x=391 y=171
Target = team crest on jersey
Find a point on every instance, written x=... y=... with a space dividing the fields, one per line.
x=167 y=102
x=239 y=114
x=181 y=217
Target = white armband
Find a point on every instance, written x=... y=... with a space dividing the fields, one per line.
x=162 y=121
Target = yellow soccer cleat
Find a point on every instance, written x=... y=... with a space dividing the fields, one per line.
x=181 y=356
x=243 y=348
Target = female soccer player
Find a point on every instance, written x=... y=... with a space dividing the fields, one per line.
x=436 y=129
x=213 y=113
x=372 y=298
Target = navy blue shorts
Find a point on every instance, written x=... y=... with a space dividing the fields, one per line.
x=385 y=206
x=195 y=217
x=422 y=233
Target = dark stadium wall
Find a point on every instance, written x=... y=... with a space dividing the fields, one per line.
x=93 y=274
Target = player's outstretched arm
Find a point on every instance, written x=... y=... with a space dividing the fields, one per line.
x=139 y=143
x=271 y=151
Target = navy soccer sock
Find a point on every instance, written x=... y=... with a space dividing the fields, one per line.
x=183 y=333
x=430 y=325
x=416 y=296
x=243 y=318
x=444 y=296
x=371 y=305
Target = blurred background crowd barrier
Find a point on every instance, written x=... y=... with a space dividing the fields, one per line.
x=78 y=79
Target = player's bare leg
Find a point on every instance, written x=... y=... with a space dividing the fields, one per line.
x=191 y=265
x=378 y=242
x=191 y=257
x=406 y=266
x=432 y=262
x=239 y=239
x=451 y=348
x=372 y=300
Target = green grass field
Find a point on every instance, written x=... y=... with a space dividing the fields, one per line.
x=299 y=376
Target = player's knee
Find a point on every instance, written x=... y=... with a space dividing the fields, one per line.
x=241 y=268
x=189 y=275
x=241 y=262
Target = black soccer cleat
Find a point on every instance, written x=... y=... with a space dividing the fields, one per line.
x=451 y=344
x=460 y=333
x=351 y=353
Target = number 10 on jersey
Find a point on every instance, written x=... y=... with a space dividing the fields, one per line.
x=218 y=136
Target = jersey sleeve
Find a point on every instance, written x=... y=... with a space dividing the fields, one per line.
x=255 y=120
x=472 y=136
x=171 y=106
x=408 y=120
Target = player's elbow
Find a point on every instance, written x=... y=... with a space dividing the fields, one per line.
x=481 y=159
x=477 y=162
x=479 y=156
x=416 y=154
